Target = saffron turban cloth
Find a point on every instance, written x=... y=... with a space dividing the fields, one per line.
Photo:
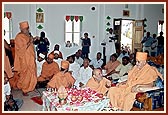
x=65 y=64
x=51 y=56
x=141 y=56
x=24 y=25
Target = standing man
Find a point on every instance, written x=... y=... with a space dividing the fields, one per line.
x=110 y=44
x=160 y=47
x=154 y=46
x=147 y=42
x=24 y=63
x=86 y=43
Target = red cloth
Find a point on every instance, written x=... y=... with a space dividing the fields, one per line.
x=37 y=100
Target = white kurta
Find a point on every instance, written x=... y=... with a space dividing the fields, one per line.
x=110 y=46
x=7 y=90
x=84 y=75
x=122 y=70
x=96 y=63
x=75 y=67
x=79 y=61
x=39 y=67
x=58 y=62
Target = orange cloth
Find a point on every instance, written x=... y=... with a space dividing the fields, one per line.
x=121 y=96
x=23 y=25
x=24 y=63
x=141 y=56
x=99 y=87
x=111 y=66
x=160 y=59
x=64 y=64
x=61 y=79
x=13 y=81
x=7 y=66
x=48 y=70
x=51 y=56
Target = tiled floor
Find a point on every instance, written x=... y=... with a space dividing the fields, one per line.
x=28 y=104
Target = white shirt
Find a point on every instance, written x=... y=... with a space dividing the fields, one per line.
x=154 y=45
x=58 y=62
x=84 y=75
x=7 y=90
x=110 y=46
x=79 y=61
x=74 y=67
x=121 y=56
x=122 y=70
x=39 y=67
x=96 y=63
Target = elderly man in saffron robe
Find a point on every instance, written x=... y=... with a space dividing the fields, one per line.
x=98 y=83
x=24 y=63
x=49 y=69
x=62 y=78
x=142 y=75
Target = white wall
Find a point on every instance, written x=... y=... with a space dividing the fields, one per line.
x=94 y=21
x=153 y=14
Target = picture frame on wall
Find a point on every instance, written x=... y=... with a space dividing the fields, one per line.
x=39 y=17
x=126 y=13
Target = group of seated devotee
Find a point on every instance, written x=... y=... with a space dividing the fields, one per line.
x=77 y=72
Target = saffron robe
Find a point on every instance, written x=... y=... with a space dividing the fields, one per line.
x=48 y=71
x=24 y=63
x=121 y=96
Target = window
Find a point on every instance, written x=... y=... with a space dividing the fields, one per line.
x=73 y=29
x=7 y=26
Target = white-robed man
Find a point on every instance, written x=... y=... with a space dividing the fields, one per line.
x=74 y=68
x=110 y=44
x=85 y=73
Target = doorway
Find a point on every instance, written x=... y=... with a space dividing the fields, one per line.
x=129 y=32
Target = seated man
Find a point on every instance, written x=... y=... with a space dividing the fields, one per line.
x=10 y=104
x=56 y=48
x=121 y=72
x=98 y=83
x=142 y=75
x=85 y=73
x=111 y=65
x=49 y=69
x=39 y=62
x=73 y=67
x=57 y=59
x=62 y=78
x=96 y=62
x=78 y=59
x=123 y=53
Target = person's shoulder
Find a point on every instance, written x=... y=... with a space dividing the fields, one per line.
x=19 y=35
x=54 y=63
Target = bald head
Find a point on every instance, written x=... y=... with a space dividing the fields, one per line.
x=97 y=74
